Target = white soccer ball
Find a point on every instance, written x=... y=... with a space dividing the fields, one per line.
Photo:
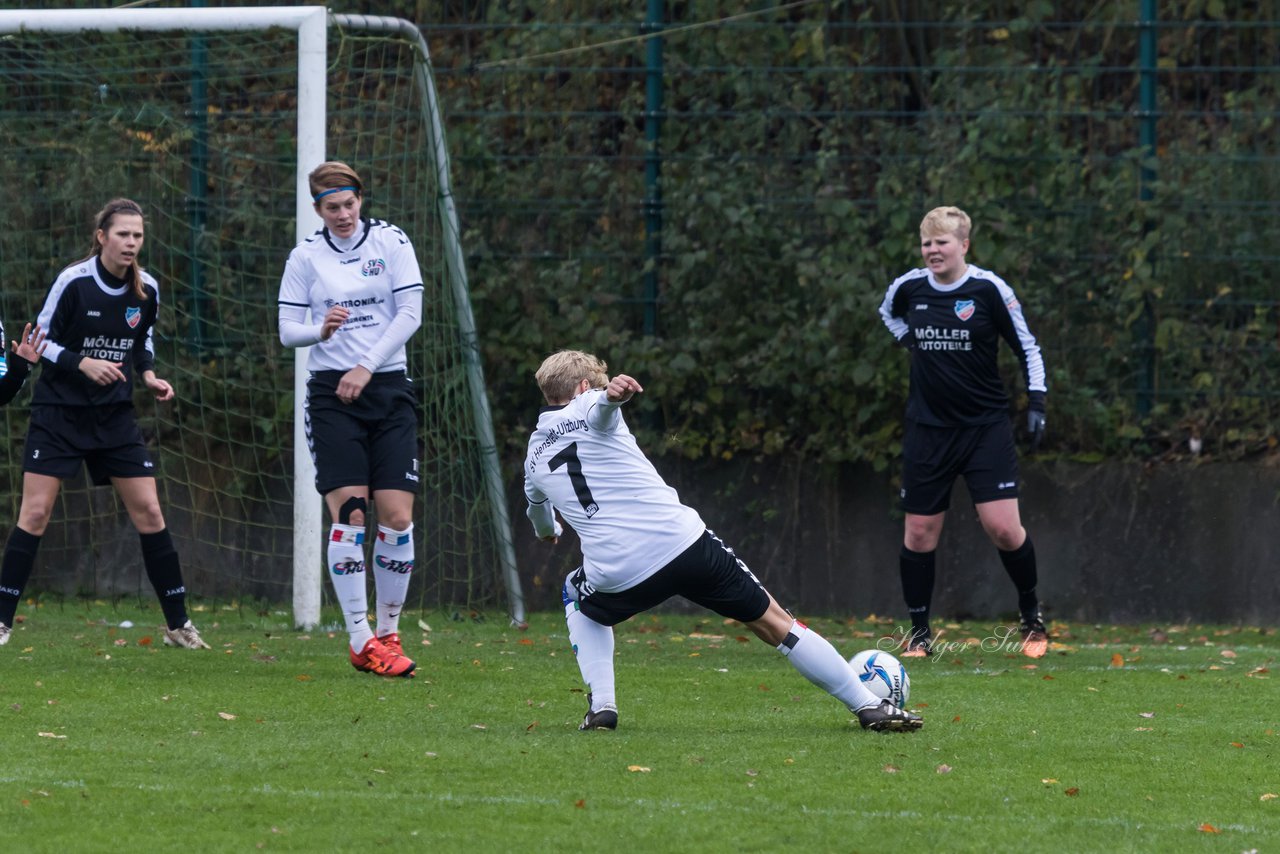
x=884 y=675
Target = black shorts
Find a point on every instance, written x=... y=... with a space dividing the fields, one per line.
x=105 y=438
x=933 y=457
x=708 y=573
x=371 y=442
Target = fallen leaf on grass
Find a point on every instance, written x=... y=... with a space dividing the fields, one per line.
x=531 y=727
x=1143 y=729
x=1117 y=660
x=145 y=640
x=890 y=769
x=751 y=772
x=1048 y=781
x=302 y=677
x=1208 y=828
x=1236 y=744
x=226 y=716
x=1146 y=714
x=1269 y=796
x=50 y=735
x=944 y=769
x=1228 y=653
x=642 y=769
x=1072 y=792
x=479 y=726
x=525 y=641
x=580 y=804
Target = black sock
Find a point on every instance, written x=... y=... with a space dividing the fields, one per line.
x=161 y=560
x=917 y=570
x=19 y=559
x=1021 y=566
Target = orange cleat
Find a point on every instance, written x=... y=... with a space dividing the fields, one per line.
x=392 y=642
x=377 y=658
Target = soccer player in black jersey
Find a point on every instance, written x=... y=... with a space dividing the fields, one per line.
x=951 y=315
x=98 y=315
x=27 y=350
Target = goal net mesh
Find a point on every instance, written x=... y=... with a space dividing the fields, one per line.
x=200 y=128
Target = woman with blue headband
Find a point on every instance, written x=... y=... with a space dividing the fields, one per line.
x=359 y=279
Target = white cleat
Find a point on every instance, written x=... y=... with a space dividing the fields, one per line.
x=187 y=637
x=4 y=634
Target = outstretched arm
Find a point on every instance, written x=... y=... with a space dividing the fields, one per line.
x=604 y=414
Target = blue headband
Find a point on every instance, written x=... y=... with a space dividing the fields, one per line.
x=320 y=195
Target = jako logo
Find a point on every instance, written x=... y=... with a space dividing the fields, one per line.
x=374 y=267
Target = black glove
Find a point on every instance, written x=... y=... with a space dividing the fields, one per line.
x=1035 y=419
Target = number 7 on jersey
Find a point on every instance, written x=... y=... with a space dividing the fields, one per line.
x=569 y=458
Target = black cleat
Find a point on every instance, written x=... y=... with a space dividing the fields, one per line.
x=1035 y=640
x=919 y=644
x=605 y=719
x=887 y=717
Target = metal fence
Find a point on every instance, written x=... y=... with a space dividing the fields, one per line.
x=1053 y=129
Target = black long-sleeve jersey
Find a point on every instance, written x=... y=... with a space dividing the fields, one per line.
x=13 y=372
x=954 y=332
x=90 y=313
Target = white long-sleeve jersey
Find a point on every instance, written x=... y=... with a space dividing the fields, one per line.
x=377 y=278
x=584 y=462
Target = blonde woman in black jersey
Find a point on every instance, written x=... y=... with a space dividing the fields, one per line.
x=952 y=316
x=98 y=317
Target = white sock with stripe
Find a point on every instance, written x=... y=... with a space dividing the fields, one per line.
x=820 y=663
x=346 y=569
x=392 y=564
x=593 y=646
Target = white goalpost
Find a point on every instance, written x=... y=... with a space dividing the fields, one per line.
x=468 y=546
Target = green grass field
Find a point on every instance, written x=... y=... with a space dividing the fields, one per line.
x=1121 y=739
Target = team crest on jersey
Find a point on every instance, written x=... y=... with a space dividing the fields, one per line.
x=133 y=316
x=373 y=268
x=965 y=308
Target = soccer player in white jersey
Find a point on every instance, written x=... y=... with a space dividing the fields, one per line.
x=951 y=315
x=641 y=546
x=99 y=316
x=360 y=280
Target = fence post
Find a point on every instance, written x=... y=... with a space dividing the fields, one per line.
x=652 y=165
x=1147 y=60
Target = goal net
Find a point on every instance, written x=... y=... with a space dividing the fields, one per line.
x=199 y=119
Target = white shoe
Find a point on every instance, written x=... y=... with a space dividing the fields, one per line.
x=4 y=634
x=187 y=637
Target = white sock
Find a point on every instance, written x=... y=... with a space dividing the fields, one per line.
x=392 y=563
x=593 y=645
x=818 y=661
x=346 y=569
